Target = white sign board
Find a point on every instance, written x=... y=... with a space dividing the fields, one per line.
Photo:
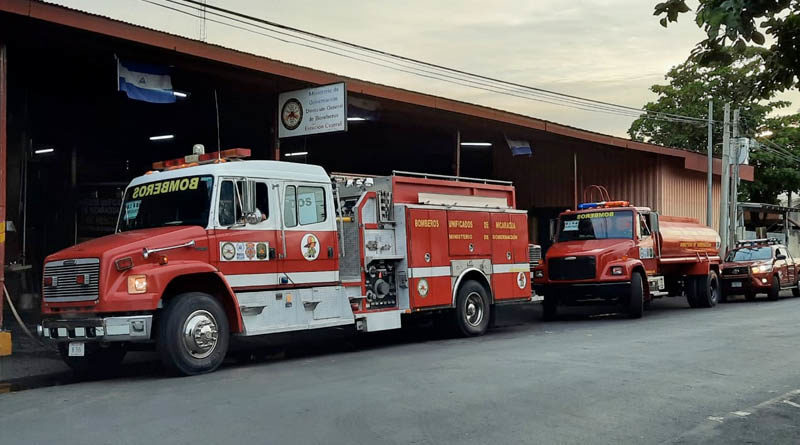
x=312 y=111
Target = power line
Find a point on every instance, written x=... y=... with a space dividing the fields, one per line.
x=440 y=73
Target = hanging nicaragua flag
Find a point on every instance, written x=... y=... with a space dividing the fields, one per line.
x=519 y=148
x=149 y=83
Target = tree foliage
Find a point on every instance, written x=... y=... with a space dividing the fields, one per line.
x=732 y=25
x=689 y=88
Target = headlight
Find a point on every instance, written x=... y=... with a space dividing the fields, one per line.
x=137 y=284
x=538 y=274
x=762 y=268
x=617 y=270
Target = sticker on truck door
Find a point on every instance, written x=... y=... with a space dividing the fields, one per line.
x=244 y=251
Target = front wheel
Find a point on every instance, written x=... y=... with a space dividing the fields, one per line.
x=774 y=290
x=193 y=334
x=636 y=300
x=472 y=309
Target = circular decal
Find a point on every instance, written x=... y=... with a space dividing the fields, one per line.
x=291 y=114
x=522 y=280
x=228 y=251
x=309 y=245
x=250 y=250
x=422 y=287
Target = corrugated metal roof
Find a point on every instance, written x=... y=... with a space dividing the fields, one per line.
x=128 y=31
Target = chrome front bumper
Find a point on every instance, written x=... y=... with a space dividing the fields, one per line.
x=129 y=328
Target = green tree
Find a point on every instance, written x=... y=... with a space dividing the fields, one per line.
x=689 y=87
x=733 y=24
x=774 y=173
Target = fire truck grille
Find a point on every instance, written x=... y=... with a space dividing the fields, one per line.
x=71 y=280
x=574 y=268
x=534 y=255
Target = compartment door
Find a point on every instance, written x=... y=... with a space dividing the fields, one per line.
x=428 y=259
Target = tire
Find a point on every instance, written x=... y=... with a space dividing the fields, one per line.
x=201 y=352
x=99 y=359
x=774 y=290
x=707 y=294
x=549 y=307
x=796 y=290
x=636 y=298
x=472 y=309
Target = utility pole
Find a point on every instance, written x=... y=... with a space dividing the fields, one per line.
x=735 y=182
x=709 y=195
x=725 y=182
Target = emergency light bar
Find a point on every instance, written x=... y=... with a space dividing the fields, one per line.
x=207 y=158
x=602 y=205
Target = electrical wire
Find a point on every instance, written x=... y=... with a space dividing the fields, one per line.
x=440 y=73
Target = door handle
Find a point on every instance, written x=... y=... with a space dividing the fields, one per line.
x=330 y=252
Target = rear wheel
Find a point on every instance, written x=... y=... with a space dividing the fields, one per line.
x=99 y=358
x=707 y=293
x=193 y=334
x=472 y=309
x=774 y=290
x=636 y=300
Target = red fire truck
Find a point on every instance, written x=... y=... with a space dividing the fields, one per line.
x=210 y=246
x=610 y=252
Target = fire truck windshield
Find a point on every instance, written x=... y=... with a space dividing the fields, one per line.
x=600 y=224
x=173 y=202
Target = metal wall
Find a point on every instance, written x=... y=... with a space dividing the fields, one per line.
x=683 y=192
x=545 y=180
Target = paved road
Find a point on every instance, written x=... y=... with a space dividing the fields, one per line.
x=722 y=375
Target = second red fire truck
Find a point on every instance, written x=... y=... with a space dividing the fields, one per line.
x=209 y=246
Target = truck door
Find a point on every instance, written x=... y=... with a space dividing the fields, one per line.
x=781 y=264
x=242 y=249
x=308 y=251
x=648 y=244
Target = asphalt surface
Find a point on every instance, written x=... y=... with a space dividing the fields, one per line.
x=679 y=375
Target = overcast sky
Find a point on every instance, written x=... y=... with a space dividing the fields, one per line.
x=610 y=50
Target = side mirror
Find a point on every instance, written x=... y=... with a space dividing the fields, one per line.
x=780 y=257
x=248 y=199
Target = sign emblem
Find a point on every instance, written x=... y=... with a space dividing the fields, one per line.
x=291 y=114
x=522 y=280
x=250 y=250
x=261 y=251
x=309 y=245
x=422 y=288
x=228 y=251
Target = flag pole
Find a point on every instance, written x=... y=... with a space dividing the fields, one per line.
x=216 y=108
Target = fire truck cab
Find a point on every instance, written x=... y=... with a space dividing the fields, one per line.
x=211 y=246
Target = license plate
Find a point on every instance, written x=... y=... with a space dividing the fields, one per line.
x=736 y=284
x=76 y=349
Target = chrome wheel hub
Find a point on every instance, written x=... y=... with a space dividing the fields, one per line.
x=200 y=334
x=473 y=309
